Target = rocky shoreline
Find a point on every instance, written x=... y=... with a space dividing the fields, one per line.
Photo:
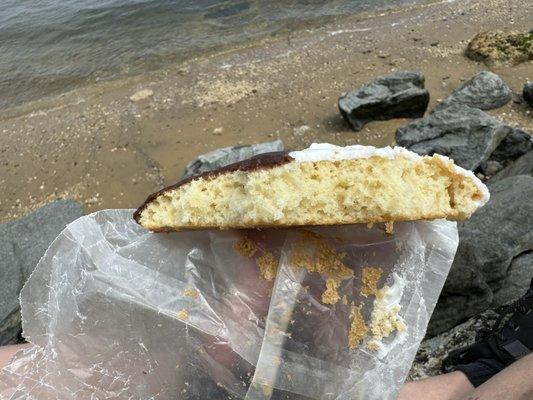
x=494 y=262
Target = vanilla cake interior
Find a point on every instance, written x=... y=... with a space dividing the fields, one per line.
x=322 y=185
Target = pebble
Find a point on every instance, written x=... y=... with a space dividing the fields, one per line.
x=299 y=131
x=142 y=95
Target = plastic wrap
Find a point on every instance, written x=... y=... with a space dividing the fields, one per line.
x=116 y=312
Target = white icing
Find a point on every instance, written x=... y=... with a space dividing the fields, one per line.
x=326 y=151
x=389 y=299
x=391 y=295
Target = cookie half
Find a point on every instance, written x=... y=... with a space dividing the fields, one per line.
x=321 y=185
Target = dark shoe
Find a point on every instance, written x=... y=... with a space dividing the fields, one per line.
x=503 y=345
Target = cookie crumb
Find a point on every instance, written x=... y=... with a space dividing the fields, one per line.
x=373 y=345
x=183 y=315
x=386 y=321
x=191 y=292
x=370 y=225
x=246 y=247
x=389 y=227
x=268 y=266
x=371 y=276
x=385 y=318
x=345 y=300
x=329 y=261
x=312 y=252
x=331 y=294
x=267 y=389
x=358 y=328
x=300 y=256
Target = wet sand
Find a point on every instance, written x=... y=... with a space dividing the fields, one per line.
x=97 y=146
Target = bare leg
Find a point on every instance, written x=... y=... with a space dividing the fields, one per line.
x=452 y=386
x=513 y=383
x=7 y=352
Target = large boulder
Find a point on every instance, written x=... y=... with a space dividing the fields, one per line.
x=465 y=134
x=488 y=242
x=228 y=155
x=24 y=242
x=398 y=95
x=459 y=129
x=485 y=91
x=499 y=47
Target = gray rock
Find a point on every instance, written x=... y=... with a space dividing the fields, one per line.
x=24 y=242
x=465 y=134
x=11 y=327
x=514 y=145
x=527 y=93
x=432 y=351
x=488 y=243
x=11 y=281
x=452 y=308
x=490 y=168
x=517 y=281
x=398 y=95
x=228 y=155
x=485 y=91
x=521 y=166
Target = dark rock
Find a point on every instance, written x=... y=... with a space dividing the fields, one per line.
x=24 y=242
x=428 y=360
x=527 y=93
x=498 y=47
x=513 y=146
x=465 y=134
x=11 y=327
x=517 y=280
x=484 y=90
x=228 y=155
x=433 y=351
x=10 y=286
x=454 y=308
x=398 y=95
x=490 y=168
x=522 y=166
x=488 y=243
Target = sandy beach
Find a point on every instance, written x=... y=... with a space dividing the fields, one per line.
x=97 y=146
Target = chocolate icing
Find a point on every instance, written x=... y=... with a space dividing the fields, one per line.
x=260 y=161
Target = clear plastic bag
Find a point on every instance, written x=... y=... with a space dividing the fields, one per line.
x=116 y=312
